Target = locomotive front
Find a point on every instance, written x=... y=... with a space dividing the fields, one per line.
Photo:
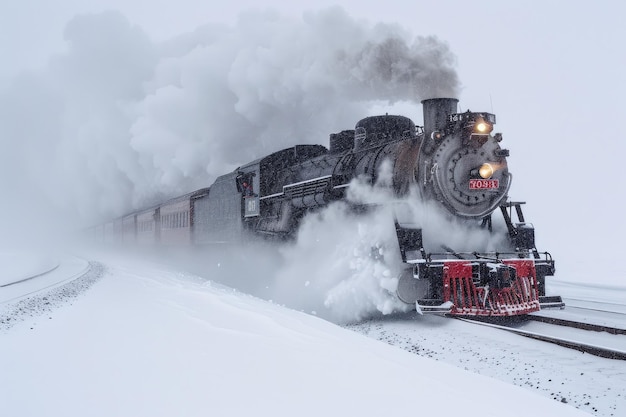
x=461 y=164
x=462 y=167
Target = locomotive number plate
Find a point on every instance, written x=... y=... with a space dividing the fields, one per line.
x=484 y=184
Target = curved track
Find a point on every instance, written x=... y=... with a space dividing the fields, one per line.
x=63 y=271
x=44 y=293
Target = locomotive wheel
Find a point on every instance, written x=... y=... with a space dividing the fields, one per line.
x=411 y=289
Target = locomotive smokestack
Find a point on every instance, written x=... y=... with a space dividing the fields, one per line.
x=436 y=111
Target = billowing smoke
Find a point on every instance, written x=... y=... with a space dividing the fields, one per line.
x=118 y=121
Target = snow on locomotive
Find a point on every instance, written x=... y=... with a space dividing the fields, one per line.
x=453 y=161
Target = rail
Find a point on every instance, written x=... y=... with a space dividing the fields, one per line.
x=600 y=351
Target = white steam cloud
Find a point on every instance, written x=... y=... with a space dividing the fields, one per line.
x=345 y=266
x=345 y=263
x=118 y=121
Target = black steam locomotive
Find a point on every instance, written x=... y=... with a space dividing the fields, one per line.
x=453 y=161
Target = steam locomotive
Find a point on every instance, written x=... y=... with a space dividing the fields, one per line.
x=453 y=161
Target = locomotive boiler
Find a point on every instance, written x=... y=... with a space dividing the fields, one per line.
x=454 y=161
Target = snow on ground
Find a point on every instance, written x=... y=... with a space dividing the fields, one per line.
x=139 y=340
x=590 y=383
x=589 y=291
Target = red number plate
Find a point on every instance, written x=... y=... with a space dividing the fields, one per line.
x=484 y=184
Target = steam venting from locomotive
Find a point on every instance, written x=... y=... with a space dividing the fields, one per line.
x=345 y=268
x=133 y=121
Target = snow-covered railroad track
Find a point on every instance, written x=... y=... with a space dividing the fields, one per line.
x=27 y=285
x=577 y=324
x=595 y=305
x=598 y=317
x=588 y=382
x=30 y=276
x=583 y=337
x=35 y=297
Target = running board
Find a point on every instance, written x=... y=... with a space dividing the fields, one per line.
x=552 y=301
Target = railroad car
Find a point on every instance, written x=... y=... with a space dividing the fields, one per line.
x=454 y=161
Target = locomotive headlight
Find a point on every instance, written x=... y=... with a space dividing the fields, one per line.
x=486 y=171
x=482 y=127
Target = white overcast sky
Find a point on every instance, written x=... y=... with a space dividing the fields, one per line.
x=552 y=71
x=563 y=57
